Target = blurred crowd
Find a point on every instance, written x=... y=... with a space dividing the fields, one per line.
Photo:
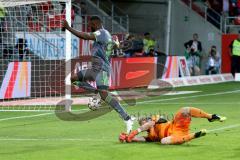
x=194 y=55
x=39 y=17
x=133 y=45
x=231 y=7
x=138 y=46
x=227 y=7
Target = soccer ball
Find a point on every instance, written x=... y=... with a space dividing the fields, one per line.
x=94 y=103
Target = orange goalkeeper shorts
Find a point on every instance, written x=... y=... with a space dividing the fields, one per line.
x=181 y=122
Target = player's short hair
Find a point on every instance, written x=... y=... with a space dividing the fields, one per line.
x=147 y=34
x=195 y=34
x=96 y=18
x=140 y=120
x=83 y=3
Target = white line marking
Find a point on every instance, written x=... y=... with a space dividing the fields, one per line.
x=224 y=128
x=21 y=110
x=195 y=96
x=147 y=101
x=96 y=140
x=194 y=103
x=56 y=139
x=20 y=117
x=173 y=93
x=36 y=115
x=77 y=110
x=141 y=102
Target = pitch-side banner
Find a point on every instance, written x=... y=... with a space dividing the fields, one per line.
x=197 y=80
x=49 y=46
x=138 y=71
x=17 y=81
x=132 y=72
x=171 y=67
x=126 y=72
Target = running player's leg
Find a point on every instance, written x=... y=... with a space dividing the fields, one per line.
x=82 y=77
x=102 y=81
x=114 y=103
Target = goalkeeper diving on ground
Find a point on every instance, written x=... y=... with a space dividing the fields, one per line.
x=101 y=50
x=176 y=131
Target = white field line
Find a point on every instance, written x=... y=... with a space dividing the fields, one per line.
x=50 y=111
x=98 y=140
x=35 y=115
x=187 y=97
x=224 y=128
x=141 y=102
x=21 y=110
x=29 y=116
x=195 y=103
x=147 y=101
x=57 y=139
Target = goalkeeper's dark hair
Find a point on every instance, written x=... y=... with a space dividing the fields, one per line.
x=96 y=18
x=147 y=119
x=140 y=120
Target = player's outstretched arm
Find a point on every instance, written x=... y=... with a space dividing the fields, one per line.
x=123 y=137
x=146 y=126
x=139 y=139
x=142 y=128
x=82 y=35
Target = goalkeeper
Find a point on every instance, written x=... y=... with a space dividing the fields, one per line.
x=101 y=51
x=170 y=132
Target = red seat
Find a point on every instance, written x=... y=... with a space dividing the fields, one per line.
x=54 y=21
x=45 y=7
x=237 y=21
x=33 y=27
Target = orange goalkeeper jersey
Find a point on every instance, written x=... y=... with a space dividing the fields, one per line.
x=178 y=127
x=159 y=131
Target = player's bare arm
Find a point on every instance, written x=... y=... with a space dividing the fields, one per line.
x=82 y=35
x=123 y=137
x=146 y=126
x=132 y=136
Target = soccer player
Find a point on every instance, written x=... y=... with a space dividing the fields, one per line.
x=170 y=132
x=101 y=51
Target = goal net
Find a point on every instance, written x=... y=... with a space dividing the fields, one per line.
x=33 y=54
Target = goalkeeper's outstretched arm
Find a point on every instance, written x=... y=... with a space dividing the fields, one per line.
x=82 y=35
x=124 y=137
x=145 y=127
x=139 y=139
x=132 y=136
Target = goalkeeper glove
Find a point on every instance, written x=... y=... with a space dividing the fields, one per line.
x=123 y=137
x=131 y=136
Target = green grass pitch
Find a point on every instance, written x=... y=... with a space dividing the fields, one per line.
x=45 y=137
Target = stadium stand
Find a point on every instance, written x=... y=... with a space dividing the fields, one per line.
x=211 y=10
